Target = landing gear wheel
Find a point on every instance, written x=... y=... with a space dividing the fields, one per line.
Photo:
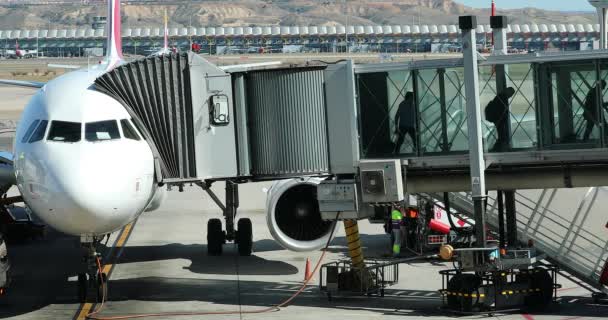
x=244 y=237
x=83 y=287
x=215 y=237
x=102 y=287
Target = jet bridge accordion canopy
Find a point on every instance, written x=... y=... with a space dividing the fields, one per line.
x=156 y=92
x=296 y=121
x=288 y=126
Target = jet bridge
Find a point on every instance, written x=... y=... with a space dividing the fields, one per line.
x=339 y=128
x=323 y=119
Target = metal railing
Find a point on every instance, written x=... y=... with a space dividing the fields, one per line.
x=567 y=242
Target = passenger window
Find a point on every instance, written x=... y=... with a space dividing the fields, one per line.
x=40 y=131
x=63 y=131
x=101 y=131
x=128 y=131
x=29 y=131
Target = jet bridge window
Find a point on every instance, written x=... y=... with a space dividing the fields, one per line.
x=29 y=131
x=64 y=131
x=39 y=132
x=101 y=131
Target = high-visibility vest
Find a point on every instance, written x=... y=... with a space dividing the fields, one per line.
x=396 y=217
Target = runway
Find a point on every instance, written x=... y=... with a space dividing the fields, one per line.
x=159 y=264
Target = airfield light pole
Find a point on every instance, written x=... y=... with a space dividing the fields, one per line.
x=492 y=14
x=346 y=27
x=190 y=33
x=602 y=12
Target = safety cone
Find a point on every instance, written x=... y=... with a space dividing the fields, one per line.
x=307 y=272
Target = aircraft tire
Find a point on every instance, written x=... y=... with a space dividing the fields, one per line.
x=215 y=237
x=244 y=237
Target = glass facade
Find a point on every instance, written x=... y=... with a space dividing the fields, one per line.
x=524 y=106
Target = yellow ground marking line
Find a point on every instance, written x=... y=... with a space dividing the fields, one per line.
x=87 y=307
x=122 y=239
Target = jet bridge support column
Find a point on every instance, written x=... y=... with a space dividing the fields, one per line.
x=499 y=25
x=468 y=24
x=232 y=204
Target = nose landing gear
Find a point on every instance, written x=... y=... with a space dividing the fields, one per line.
x=92 y=277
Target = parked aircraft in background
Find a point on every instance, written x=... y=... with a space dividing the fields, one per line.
x=20 y=53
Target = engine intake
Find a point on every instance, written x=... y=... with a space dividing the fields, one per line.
x=293 y=215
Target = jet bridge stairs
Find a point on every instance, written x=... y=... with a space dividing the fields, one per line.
x=566 y=231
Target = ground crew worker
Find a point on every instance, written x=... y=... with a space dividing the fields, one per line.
x=591 y=109
x=497 y=112
x=405 y=122
x=396 y=218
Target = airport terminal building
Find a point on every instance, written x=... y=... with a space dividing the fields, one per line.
x=287 y=39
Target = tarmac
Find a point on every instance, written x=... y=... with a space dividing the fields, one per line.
x=163 y=267
x=159 y=264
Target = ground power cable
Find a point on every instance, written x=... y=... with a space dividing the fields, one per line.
x=95 y=314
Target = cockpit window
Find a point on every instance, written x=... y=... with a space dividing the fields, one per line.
x=29 y=131
x=40 y=131
x=128 y=131
x=63 y=131
x=101 y=130
x=138 y=129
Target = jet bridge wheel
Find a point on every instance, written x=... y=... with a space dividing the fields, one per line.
x=541 y=283
x=461 y=286
x=244 y=237
x=215 y=237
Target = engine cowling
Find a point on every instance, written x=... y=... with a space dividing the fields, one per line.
x=293 y=215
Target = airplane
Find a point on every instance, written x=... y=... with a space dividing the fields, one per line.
x=20 y=53
x=62 y=164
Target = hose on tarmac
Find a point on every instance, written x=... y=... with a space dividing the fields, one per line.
x=354 y=243
x=95 y=314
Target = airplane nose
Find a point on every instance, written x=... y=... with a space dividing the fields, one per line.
x=93 y=195
x=94 y=211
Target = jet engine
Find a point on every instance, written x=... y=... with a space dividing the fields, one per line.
x=293 y=215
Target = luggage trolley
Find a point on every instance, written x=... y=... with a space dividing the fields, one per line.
x=340 y=278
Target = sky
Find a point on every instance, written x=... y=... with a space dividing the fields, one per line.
x=568 y=5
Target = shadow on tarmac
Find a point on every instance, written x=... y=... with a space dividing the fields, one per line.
x=42 y=268
x=40 y=271
x=258 y=295
x=203 y=264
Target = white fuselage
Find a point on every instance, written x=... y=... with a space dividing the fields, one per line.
x=95 y=185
